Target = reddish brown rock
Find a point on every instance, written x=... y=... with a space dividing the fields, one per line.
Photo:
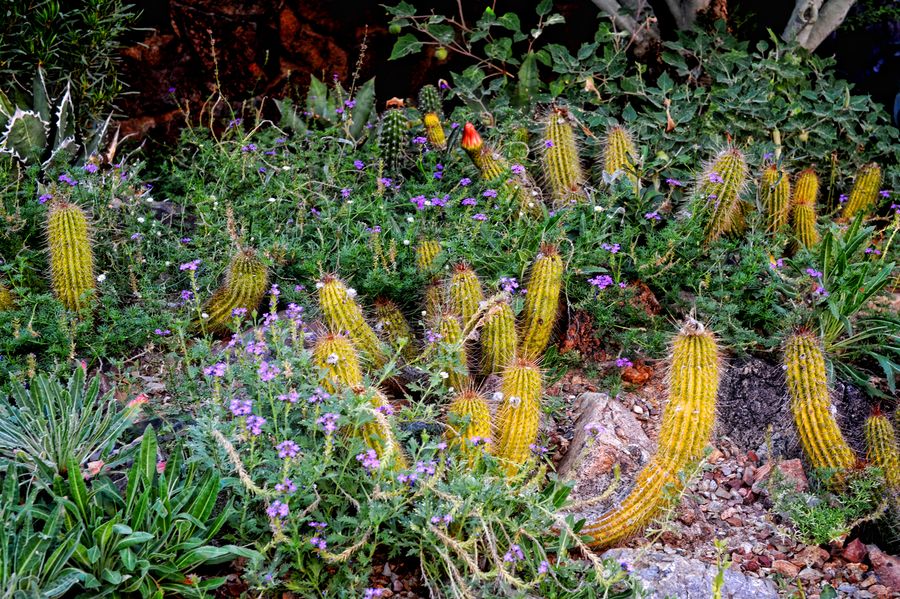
x=886 y=568
x=785 y=568
x=791 y=472
x=855 y=551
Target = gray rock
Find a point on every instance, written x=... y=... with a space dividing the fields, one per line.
x=674 y=576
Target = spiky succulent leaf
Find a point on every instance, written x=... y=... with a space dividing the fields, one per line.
x=26 y=136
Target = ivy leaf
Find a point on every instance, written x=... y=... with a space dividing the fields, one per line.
x=405 y=44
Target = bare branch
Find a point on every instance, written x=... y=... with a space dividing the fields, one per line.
x=814 y=20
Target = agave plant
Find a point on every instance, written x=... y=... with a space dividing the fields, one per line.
x=47 y=426
x=45 y=133
x=327 y=107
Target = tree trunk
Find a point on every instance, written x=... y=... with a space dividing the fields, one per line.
x=814 y=20
x=685 y=11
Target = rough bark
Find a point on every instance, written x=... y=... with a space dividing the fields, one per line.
x=814 y=20
x=685 y=11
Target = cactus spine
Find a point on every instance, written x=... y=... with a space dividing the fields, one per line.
x=498 y=338
x=343 y=313
x=721 y=184
x=6 y=298
x=518 y=415
x=881 y=445
x=71 y=256
x=469 y=419
x=378 y=433
x=430 y=100
x=394 y=327
x=619 y=154
x=434 y=132
x=245 y=286
x=336 y=357
x=451 y=338
x=426 y=253
x=392 y=139
x=811 y=407
x=562 y=167
x=464 y=292
x=864 y=194
x=804 y=209
x=541 y=302
x=775 y=192
x=687 y=424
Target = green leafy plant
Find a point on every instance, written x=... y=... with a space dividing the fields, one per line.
x=48 y=427
x=149 y=541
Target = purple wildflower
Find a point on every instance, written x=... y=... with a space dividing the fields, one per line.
x=601 y=281
x=624 y=363
x=328 y=422
x=91 y=168
x=163 y=333
x=255 y=424
x=468 y=201
x=369 y=460
x=267 y=372
x=479 y=217
x=287 y=449
x=490 y=193
x=191 y=266
x=514 y=554
x=465 y=181
x=216 y=370
x=241 y=407
x=277 y=510
x=674 y=182
x=43 y=199
x=359 y=165
x=287 y=486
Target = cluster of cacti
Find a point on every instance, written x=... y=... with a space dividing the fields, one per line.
x=469 y=422
x=620 y=154
x=393 y=136
x=245 y=286
x=492 y=165
x=562 y=166
x=804 y=208
x=811 y=406
x=541 y=302
x=430 y=106
x=498 y=338
x=721 y=184
x=343 y=313
x=393 y=326
x=464 y=293
x=775 y=196
x=881 y=449
x=864 y=194
x=71 y=256
x=687 y=424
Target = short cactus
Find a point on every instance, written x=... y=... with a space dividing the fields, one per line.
x=619 y=154
x=450 y=337
x=6 y=298
x=864 y=194
x=721 y=184
x=775 y=194
x=811 y=407
x=426 y=254
x=245 y=286
x=469 y=422
x=71 y=256
x=434 y=131
x=343 y=313
x=561 y=164
x=804 y=208
x=687 y=424
x=541 y=302
x=498 y=338
x=337 y=359
x=393 y=138
x=881 y=446
x=518 y=414
x=378 y=433
x=393 y=326
x=489 y=163
x=430 y=100
x=464 y=293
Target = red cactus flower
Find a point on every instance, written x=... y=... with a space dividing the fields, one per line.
x=470 y=138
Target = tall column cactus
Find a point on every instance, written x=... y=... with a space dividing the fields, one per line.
x=6 y=298
x=71 y=256
x=245 y=286
x=430 y=105
x=561 y=164
x=451 y=339
x=620 y=154
x=338 y=361
x=498 y=338
x=541 y=302
x=881 y=446
x=427 y=253
x=810 y=403
x=864 y=194
x=489 y=163
x=775 y=193
x=804 y=208
x=393 y=326
x=392 y=139
x=464 y=292
x=343 y=313
x=687 y=424
x=721 y=185
x=519 y=413
x=469 y=423
x=434 y=298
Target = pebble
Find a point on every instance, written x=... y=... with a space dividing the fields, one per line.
x=637 y=409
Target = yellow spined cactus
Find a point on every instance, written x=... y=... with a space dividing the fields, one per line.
x=434 y=299
x=811 y=406
x=464 y=292
x=71 y=256
x=775 y=193
x=881 y=446
x=245 y=286
x=721 y=184
x=469 y=423
x=687 y=424
x=378 y=433
x=561 y=163
x=519 y=413
x=864 y=195
x=804 y=208
x=450 y=337
x=338 y=361
x=393 y=327
x=434 y=132
x=6 y=298
x=427 y=253
x=541 y=302
x=620 y=154
x=498 y=338
x=343 y=313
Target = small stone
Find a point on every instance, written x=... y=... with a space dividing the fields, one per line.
x=765 y=561
x=855 y=572
x=734 y=521
x=785 y=568
x=752 y=565
x=809 y=575
x=813 y=556
x=791 y=470
x=715 y=456
x=723 y=493
x=398 y=586
x=879 y=590
x=886 y=567
x=855 y=551
x=638 y=409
